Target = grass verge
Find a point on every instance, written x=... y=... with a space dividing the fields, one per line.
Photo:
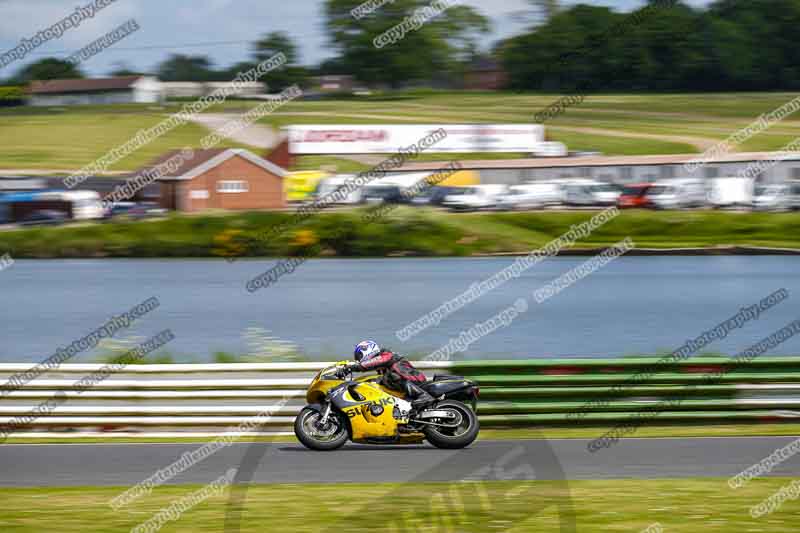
x=403 y=232
x=683 y=505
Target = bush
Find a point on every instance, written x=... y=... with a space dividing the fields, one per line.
x=11 y=95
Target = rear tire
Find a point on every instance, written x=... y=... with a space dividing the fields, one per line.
x=325 y=439
x=454 y=438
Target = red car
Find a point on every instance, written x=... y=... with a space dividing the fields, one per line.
x=635 y=196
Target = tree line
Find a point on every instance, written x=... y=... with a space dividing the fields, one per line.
x=743 y=45
x=666 y=45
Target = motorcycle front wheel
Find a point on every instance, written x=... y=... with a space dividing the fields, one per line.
x=316 y=436
x=464 y=430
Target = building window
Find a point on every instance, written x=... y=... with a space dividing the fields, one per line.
x=711 y=172
x=232 y=186
x=626 y=174
x=667 y=172
x=796 y=173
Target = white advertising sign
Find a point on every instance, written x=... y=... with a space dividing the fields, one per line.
x=387 y=139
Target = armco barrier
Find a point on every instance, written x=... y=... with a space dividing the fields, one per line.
x=206 y=399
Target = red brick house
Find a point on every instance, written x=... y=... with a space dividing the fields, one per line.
x=221 y=179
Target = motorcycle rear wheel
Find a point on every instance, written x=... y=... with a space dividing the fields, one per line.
x=453 y=438
x=315 y=437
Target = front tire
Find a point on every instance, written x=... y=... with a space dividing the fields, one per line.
x=316 y=437
x=462 y=435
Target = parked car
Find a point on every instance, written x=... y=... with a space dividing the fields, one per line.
x=581 y=192
x=78 y=205
x=434 y=196
x=383 y=194
x=678 y=193
x=44 y=217
x=635 y=196
x=772 y=198
x=395 y=188
x=119 y=208
x=731 y=192
x=327 y=186
x=474 y=197
x=535 y=195
x=794 y=195
x=606 y=193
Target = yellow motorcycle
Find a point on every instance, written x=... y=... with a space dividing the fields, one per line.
x=363 y=410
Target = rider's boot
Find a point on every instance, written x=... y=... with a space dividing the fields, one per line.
x=420 y=399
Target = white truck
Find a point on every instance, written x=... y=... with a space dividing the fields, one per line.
x=731 y=192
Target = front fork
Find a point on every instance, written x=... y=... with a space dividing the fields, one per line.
x=326 y=413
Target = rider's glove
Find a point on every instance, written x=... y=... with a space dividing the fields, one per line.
x=343 y=370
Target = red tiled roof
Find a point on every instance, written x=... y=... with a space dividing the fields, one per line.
x=82 y=85
x=200 y=157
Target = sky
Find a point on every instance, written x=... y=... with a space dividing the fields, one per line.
x=186 y=26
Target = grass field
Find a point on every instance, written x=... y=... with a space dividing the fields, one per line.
x=404 y=232
x=681 y=505
x=69 y=138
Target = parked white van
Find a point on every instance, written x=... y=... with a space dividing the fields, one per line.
x=474 y=197
x=327 y=186
x=534 y=195
x=678 y=193
x=731 y=192
x=81 y=204
x=584 y=192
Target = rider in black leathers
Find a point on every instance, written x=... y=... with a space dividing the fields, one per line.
x=397 y=373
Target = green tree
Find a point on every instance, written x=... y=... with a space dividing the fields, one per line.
x=587 y=48
x=663 y=46
x=122 y=69
x=434 y=50
x=49 y=68
x=753 y=43
x=290 y=73
x=274 y=42
x=186 y=68
x=11 y=96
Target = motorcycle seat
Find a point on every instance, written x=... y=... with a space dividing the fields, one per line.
x=437 y=387
x=440 y=377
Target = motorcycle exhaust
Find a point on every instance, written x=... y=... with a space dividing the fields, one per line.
x=437 y=424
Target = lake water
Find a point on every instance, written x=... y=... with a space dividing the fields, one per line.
x=634 y=305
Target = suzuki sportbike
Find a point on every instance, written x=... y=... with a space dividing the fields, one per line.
x=363 y=410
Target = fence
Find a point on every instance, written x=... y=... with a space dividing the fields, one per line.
x=206 y=399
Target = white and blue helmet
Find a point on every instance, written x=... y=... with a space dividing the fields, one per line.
x=366 y=350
